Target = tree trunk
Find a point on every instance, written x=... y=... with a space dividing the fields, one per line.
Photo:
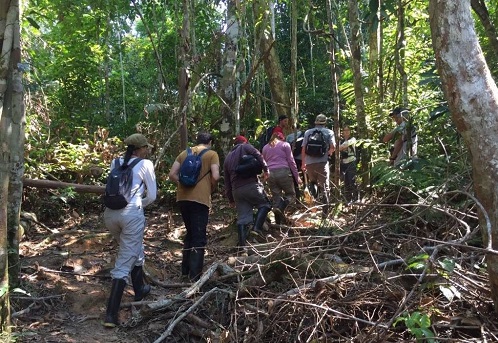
x=473 y=101
x=230 y=87
x=12 y=123
x=183 y=74
x=293 y=72
x=58 y=184
x=279 y=93
x=400 y=97
x=479 y=6
x=356 y=66
x=335 y=91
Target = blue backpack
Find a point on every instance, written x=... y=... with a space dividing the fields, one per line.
x=118 y=187
x=191 y=168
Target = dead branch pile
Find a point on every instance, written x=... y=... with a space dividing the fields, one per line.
x=420 y=275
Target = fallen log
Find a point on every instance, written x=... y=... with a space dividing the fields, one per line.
x=59 y=184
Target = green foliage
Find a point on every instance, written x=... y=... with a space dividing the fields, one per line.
x=417 y=263
x=418 y=324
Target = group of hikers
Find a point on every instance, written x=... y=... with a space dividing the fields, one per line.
x=279 y=164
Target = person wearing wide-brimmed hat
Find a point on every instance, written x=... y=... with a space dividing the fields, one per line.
x=127 y=227
x=317 y=166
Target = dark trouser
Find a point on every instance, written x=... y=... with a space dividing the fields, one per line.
x=299 y=163
x=195 y=216
x=348 y=172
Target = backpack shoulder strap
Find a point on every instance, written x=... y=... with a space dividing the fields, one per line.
x=203 y=152
x=134 y=163
x=117 y=163
x=209 y=170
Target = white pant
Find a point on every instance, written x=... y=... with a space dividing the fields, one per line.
x=127 y=227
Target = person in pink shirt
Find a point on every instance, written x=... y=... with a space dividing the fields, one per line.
x=283 y=171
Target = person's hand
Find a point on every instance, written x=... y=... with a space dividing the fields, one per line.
x=232 y=204
x=266 y=175
x=299 y=181
x=303 y=167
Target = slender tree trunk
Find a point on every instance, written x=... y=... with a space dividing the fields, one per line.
x=183 y=74
x=472 y=97
x=230 y=88
x=400 y=56
x=479 y=6
x=356 y=66
x=12 y=122
x=335 y=90
x=273 y=68
x=294 y=90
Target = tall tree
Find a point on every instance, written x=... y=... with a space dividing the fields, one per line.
x=356 y=66
x=183 y=73
x=12 y=122
x=472 y=97
x=230 y=87
x=273 y=67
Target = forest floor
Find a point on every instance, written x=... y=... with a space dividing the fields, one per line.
x=344 y=279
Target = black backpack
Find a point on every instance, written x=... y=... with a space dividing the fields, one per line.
x=118 y=187
x=191 y=168
x=317 y=145
x=298 y=144
x=265 y=137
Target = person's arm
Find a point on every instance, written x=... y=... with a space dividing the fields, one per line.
x=331 y=143
x=303 y=153
x=347 y=143
x=149 y=179
x=397 y=148
x=215 y=174
x=174 y=172
x=227 y=180
x=389 y=136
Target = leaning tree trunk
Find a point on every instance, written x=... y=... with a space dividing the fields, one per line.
x=473 y=101
x=479 y=7
x=273 y=68
x=11 y=150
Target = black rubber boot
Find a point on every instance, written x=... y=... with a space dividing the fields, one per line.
x=196 y=264
x=185 y=262
x=261 y=218
x=241 y=230
x=279 y=211
x=139 y=287
x=111 y=315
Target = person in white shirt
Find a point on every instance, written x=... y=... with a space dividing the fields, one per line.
x=127 y=226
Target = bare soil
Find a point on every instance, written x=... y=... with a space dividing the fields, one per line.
x=339 y=280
